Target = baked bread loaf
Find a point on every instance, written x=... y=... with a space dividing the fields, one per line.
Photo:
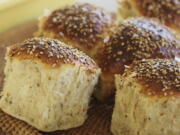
x=84 y=26
x=166 y=11
x=48 y=84
x=134 y=39
x=148 y=99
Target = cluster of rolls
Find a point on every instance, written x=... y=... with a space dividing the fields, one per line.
x=164 y=11
x=138 y=59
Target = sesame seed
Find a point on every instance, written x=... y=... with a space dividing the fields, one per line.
x=82 y=23
x=136 y=39
x=53 y=65
x=58 y=56
x=55 y=52
x=31 y=52
x=164 y=72
x=50 y=54
x=167 y=11
x=165 y=94
x=119 y=52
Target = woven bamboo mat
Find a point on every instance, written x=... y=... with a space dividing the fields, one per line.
x=98 y=122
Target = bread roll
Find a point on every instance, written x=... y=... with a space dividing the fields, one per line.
x=166 y=11
x=134 y=39
x=82 y=25
x=48 y=84
x=148 y=99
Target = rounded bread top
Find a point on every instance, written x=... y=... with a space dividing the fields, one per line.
x=136 y=39
x=167 y=11
x=159 y=77
x=50 y=52
x=83 y=24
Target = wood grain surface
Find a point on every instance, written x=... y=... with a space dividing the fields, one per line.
x=98 y=122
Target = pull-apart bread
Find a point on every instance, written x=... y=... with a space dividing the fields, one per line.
x=84 y=26
x=165 y=11
x=148 y=99
x=134 y=39
x=48 y=84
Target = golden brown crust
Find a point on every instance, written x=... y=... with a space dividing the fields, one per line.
x=137 y=39
x=167 y=11
x=50 y=52
x=82 y=24
x=159 y=77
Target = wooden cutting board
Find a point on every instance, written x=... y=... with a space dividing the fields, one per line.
x=98 y=122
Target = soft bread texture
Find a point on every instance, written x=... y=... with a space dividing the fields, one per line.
x=134 y=39
x=166 y=11
x=148 y=99
x=48 y=84
x=84 y=26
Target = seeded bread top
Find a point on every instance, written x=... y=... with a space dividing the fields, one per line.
x=136 y=39
x=158 y=76
x=50 y=52
x=167 y=11
x=83 y=24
